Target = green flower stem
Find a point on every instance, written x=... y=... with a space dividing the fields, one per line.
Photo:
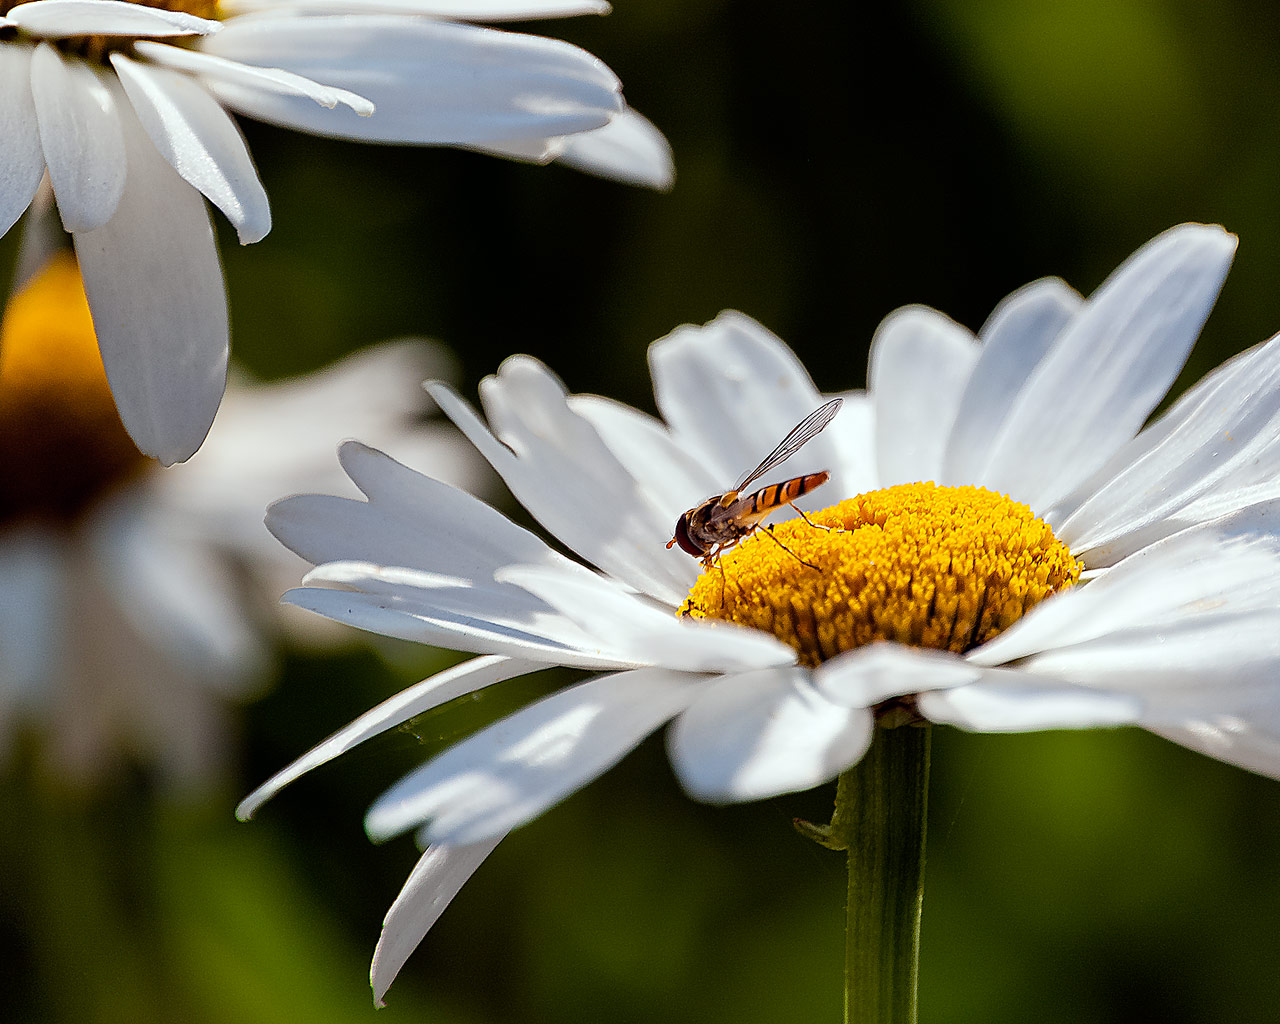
x=880 y=821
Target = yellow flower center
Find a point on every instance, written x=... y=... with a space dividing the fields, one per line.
x=928 y=566
x=61 y=441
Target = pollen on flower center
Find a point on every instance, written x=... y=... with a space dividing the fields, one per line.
x=928 y=566
x=61 y=440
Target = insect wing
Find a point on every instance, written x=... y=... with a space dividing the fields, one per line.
x=801 y=434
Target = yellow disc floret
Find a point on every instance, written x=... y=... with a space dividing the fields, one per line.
x=928 y=566
x=61 y=441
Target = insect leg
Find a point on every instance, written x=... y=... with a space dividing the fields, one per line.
x=816 y=526
x=769 y=533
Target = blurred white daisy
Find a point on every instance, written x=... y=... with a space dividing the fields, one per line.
x=136 y=602
x=126 y=106
x=961 y=603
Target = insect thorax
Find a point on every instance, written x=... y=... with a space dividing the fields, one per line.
x=709 y=534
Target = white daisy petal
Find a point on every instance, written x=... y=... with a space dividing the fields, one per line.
x=530 y=151
x=518 y=767
x=430 y=577
x=673 y=478
x=21 y=156
x=599 y=509
x=1195 y=401
x=1110 y=367
x=1228 y=436
x=1014 y=339
x=55 y=19
x=998 y=706
x=1241 y=727
x=730 y=391
x=230 y=72
x=200 y=141
x=496 y=606
x=433 y=82
x=429 y=623
x=412 y=701
x=436 y=879
x=1230 y=566
x=867 y=675
x=853 y=436
x=920 y=363
x=759 y=734
x=453 y=10
x=82 y=137
x=409 y=520
x=649 y=633
x=1209 y=652
x=155 y=287
x=628 y=149
x=557 y=466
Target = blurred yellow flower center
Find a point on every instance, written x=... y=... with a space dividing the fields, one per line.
x=61 y=441
x=928 y=566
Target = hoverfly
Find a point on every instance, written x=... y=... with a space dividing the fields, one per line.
x=723 y=520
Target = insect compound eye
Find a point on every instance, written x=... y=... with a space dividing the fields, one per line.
x=684 y=540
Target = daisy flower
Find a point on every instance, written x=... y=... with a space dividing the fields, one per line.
x=126 y=105
x=137 y=603
x=1006 y=548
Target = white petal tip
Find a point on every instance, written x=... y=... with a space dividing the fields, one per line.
x=248 y=236
x=379 y=826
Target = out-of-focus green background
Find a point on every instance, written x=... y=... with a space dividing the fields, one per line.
x=835 y=161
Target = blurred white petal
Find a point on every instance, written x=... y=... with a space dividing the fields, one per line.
x=759 y=734
x=34 y=613
x=996 y=707
x=865 y=676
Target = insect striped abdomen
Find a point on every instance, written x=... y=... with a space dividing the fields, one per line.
x=771 y=497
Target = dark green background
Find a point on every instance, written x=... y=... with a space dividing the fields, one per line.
x=835 y=161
